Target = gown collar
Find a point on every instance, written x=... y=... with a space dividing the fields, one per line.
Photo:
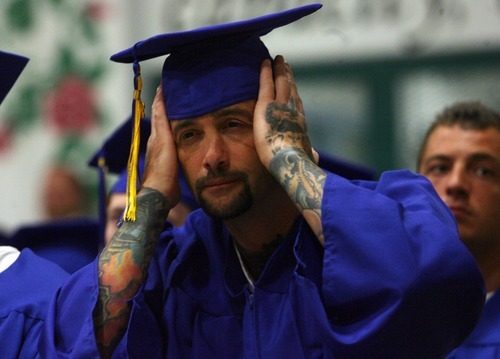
x=276 y=274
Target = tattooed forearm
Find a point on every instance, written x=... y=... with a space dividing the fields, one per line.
x=292 y=164
x=304 y=181
x=123 y=266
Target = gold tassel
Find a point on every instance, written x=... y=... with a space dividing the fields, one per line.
x=132 y=168
x=101 y=163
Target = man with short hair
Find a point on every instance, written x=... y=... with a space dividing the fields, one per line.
x=460 y=155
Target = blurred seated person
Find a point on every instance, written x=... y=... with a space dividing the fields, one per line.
x=66 y=236
x=27 y=281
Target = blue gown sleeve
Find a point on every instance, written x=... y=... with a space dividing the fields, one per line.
x=69 y=330
x=26 y=288
x=484 y=342
x=396 y=277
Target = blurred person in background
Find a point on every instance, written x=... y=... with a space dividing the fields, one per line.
x=62 y=193
x=66 y=235
x=27 y=281
x=460 y=155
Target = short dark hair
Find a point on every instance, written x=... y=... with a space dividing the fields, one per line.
x=472 y=115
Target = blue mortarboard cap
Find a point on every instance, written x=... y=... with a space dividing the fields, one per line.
x=115 y=148
x=120 y=185
x=11 y=66
x=346 y=169
x=211 y=67
x=70 y=243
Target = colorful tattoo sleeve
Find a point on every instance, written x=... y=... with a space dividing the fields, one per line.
x=123 y=267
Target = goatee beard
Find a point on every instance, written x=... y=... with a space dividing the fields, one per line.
x=241 y=202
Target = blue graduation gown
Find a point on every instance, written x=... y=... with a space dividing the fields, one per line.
x=393 y=281
x=484 y=342
x=26 y=288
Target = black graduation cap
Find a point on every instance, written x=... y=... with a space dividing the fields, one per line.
x=11 y=66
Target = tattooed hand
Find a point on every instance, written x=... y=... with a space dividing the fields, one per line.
x=281 y=140
x=283 y=124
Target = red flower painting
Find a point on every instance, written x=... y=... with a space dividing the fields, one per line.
x=71 y=106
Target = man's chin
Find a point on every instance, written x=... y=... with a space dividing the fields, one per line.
x=469 y=238
x=224 y=210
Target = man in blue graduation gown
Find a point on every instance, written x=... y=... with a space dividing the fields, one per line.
x=27 y=281
x=460 y=155
x=284 y=259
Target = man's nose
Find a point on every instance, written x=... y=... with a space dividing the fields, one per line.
x=216 y=156
x=457 y=183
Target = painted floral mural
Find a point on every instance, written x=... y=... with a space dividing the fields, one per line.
x=59 y=94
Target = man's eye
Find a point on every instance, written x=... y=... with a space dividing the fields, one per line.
x=232 y=124
x=238 y=125
x=187 y=135
x=484 y=172
x=437 y=169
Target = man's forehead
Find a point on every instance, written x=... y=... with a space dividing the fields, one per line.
x=245 y=108
x=472 y=145
x=479 y=134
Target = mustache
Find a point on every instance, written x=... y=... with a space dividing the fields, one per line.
x=219 y=176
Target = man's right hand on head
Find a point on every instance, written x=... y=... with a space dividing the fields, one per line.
x=161 y=157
